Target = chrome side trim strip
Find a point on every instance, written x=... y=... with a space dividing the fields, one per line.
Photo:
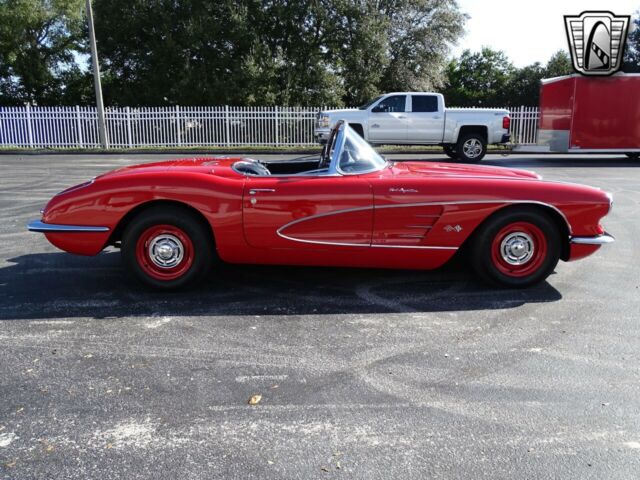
x=421 y=247
x=427 y=204
x=597 y=240
x=362 y=245
x=422 y=204
x=39 y=226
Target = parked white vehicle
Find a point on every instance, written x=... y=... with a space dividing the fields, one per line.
x=419 y=118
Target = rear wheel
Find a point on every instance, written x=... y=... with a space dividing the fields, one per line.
x=516 y=248
x=167 y=247
x=471 y=148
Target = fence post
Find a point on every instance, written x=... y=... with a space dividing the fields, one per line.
x=79 y=125
x=277 y=127
x=2 y=139
x=129 y=136
x=178 y=125
x=226 y=122
x=520 y=124
x=29 y=126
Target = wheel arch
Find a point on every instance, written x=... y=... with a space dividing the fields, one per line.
x=116 y=235
x=479 y=129
x=555 y=215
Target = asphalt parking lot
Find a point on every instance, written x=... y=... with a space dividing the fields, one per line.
x=364 y=374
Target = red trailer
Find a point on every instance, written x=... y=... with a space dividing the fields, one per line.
x=581 y=114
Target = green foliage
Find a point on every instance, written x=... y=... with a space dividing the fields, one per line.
x=631 y=63
x=256 y=52
x=558 y=65
x=38 y=43
x=479 y=79
x=488 y=79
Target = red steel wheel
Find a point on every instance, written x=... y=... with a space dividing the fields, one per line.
x=519 y=249
x=168 y=247
x=164 y=252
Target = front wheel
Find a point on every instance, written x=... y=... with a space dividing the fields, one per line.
x=471 y=148
x=450 y=151
x=167 y=247
x=516 y=248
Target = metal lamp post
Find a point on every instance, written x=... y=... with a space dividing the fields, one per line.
x=102 y=126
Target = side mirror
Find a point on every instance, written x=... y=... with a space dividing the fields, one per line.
x=378 y=109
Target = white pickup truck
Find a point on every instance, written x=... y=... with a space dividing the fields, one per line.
x=419 y=118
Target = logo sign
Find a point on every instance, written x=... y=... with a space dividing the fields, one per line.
x=597 y=41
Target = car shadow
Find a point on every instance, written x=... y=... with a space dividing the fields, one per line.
x=58 y=285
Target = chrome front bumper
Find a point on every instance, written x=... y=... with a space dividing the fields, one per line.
x=597 y=240
x=40 y=226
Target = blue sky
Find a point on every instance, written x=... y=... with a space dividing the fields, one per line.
x=527 y=31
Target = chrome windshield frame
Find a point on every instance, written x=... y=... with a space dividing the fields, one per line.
x=341 y=139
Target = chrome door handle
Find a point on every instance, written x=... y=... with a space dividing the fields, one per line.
x=401 y=116
x=375 y=125
x=253 y=191
x=438 y=117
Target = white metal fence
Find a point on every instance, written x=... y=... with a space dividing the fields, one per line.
x=77 y=127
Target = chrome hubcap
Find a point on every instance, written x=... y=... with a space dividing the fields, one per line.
x=166 y=251
x=472 y=148
x=517 y=248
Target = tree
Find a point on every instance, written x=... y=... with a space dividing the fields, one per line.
x=421 y=33
x=523 y=88
x=631 y=61
x=39 y=42
x=479 y=79
x=558 y=65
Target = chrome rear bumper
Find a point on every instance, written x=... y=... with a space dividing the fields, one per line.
x=597 y=240
x=40 y=226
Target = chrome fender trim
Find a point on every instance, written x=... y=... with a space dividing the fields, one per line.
x=40 y=226
x=280 y=231
x=597 y=240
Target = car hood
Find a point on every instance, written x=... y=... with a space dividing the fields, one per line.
x=431 y=169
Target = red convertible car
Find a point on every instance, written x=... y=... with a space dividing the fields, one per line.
x=351 y=208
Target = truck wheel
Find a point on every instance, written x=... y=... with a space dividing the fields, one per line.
x=516 y=248
x=633 y=155
x=450 y=151
x=471 y=148
x=167 y=248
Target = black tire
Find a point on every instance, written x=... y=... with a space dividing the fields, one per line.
x=633 y=155
x=450 y=151
x=487 y=253
x=171 y=223
x=466 y=154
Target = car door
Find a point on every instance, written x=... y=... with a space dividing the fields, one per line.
x=426 y=119
x=300 y=211
x=388 y=120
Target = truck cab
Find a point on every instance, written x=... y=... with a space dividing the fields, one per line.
x=421 y=118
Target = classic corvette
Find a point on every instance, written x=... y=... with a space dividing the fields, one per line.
x=349 y=208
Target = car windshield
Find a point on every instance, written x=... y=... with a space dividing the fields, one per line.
x=368 y=104
x=357 y=156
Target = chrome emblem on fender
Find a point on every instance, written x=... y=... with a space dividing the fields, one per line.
x=403 y=190
x=453 y=228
